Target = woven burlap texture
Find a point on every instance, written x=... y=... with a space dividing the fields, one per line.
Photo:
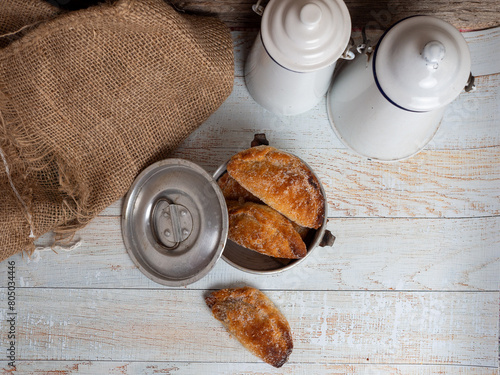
x=90 y=98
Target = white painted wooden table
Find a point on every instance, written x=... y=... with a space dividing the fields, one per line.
x=411 y=285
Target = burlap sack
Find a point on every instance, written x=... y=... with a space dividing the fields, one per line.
x=89 y=99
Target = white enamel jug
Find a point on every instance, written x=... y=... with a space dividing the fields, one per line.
x=290 y=65
x=388 y=102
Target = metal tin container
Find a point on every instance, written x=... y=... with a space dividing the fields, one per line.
x=254 y=262
x=175 y=226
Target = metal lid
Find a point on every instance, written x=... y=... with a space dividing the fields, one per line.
x=422 y=63
x=305 y=35
x=174 y=222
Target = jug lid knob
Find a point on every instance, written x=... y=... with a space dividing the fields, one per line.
x=433 y=53
x=310 y=14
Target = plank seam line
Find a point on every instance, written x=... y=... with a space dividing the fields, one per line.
x=258 y=363
x=378 y=217
x=494 y=216
x=264 y=290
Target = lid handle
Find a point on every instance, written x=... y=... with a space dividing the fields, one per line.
x=259 y=139
x=310 y=15
x=170 y=223
x=348 y=54
x=433 y=53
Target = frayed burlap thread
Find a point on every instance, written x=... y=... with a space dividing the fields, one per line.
x=17 y=17
x=90 y=98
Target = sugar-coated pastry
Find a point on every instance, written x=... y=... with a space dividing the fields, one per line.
x=302 y=231
x=232 y=190
x=263 y=229
x=251 y=317
x=282 y=181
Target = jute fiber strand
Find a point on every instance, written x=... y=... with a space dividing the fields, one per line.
x=90 y=98
x=18 y=16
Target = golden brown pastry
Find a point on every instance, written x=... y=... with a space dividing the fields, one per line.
x=232 y=190
x=251 y=317
x=302 y=231
x=282 y=181
x=262 y=229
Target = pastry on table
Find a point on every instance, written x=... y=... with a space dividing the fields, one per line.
x=251 y=317
x=261 y=228
x=282 y=181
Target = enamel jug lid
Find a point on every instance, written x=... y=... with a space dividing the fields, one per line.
x=422 y=63
x=305 y=35
x=174 y=222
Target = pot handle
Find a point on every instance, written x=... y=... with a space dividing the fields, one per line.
x=348 y=54
x=257 y=8
x=328 y=239
x=259 y=139
x=470 y=84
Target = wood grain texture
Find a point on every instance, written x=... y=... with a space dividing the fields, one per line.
x=462 y=14
x=197 y=368
x=411 y=285
x=392 y=254
x=458 y=328
x=485 y=54
x=471 y=121
x=433 y=184
x=461 y=183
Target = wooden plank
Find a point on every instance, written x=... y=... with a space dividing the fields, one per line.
x=238 y=14
x=484 y=49
x=197 y=368
x=458 y=328
x=371 y=254
x=462 y=14
x=432 y=184
x=471 y=121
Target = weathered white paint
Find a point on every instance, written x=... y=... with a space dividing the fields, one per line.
x=411 y=285
x=469 y=122
x=459 y=328
x=372 y=254
x=197 y=368
x=432 y=184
